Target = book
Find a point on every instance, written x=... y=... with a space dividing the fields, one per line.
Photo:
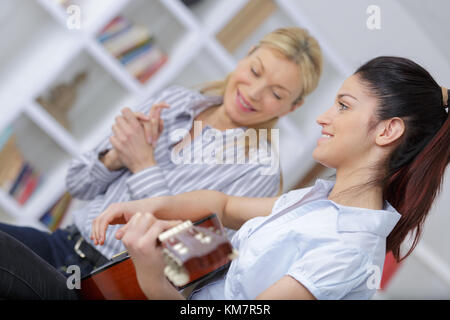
x=11 y=163
x=29 y=187
x=136 y=52
x=54 y=216
x=144 y=61
x=24 y=173
x=143 y=77
x=126 y=41
x=134 y=46
x=10 y=170
x=116 y=27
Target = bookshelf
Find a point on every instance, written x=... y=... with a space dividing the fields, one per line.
x=40 y=65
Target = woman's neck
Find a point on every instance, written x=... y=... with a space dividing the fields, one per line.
x=217 y=118
x=352 y=189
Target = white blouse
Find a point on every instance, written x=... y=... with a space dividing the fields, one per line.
x=334 y=251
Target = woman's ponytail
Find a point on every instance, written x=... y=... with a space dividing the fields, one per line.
x=416 y=168
x=413 y=188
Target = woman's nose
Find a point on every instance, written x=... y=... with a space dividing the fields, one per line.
x=255 y=91
x=324 y=118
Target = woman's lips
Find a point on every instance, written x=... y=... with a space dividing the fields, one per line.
x=242 y=104
x=324 y=137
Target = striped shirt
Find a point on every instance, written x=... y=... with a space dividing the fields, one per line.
x=89 y=179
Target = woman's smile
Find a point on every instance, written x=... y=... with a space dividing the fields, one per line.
x=325 y=136
x=243 y=104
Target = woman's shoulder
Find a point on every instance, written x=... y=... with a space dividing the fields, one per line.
x=178 y=92
x=289 y=198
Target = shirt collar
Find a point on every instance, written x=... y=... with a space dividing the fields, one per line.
x=354 y=219
x=188 y=111
x=198 y=102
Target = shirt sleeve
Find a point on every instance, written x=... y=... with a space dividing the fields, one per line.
x=329 y=274
x=150 y=182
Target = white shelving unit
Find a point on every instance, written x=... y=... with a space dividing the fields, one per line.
x=44 y=52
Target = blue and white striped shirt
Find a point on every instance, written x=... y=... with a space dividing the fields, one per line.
x=89 y=179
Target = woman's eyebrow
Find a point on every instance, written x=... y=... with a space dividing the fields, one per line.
x=341 y=95
x=277 y=85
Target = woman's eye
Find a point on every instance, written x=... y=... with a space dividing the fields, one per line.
x=342 y=106
x=254 y=72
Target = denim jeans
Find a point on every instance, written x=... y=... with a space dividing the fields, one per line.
x=56 y=248
x=25 y=275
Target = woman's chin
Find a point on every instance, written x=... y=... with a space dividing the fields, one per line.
x=320 y=158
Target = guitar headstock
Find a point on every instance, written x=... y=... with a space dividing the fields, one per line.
x=192 y=251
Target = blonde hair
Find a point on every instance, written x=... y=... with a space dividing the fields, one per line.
x=296 y=45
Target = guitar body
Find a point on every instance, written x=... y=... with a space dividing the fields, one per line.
x=114 y=281
x=204 y=249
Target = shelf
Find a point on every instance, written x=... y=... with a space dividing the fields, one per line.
x=93 y=14
x=186 y=49
x=274 y=20
x=97 y=98
x=203 y=68
x=213 y=15
x=46 y=158
x=163 y=24
x=39 y=50
x=5 y=217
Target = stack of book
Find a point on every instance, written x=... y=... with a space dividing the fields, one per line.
x=53 y=217
x=17 y=176
x=134 y=46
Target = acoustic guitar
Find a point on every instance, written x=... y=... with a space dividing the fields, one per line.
x=192 y=252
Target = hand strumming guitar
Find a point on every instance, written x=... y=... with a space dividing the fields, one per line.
x=140 y=237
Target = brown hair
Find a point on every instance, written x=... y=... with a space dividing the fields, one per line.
x=414 y=172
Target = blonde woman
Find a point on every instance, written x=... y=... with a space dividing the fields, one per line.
x=271 y=81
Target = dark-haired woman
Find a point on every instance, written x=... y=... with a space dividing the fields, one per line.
x=387 y=135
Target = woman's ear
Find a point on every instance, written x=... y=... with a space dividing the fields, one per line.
x=294 y=106
x=390 y=131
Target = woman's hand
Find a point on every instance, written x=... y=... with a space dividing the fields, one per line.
x=140 y=236
x=130 y=143
x=156 y=123
x=127 y=137
x=111 y=160
x=119 y=213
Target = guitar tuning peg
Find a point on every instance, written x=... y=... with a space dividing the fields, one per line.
x=233 y=254
x=173 y=231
